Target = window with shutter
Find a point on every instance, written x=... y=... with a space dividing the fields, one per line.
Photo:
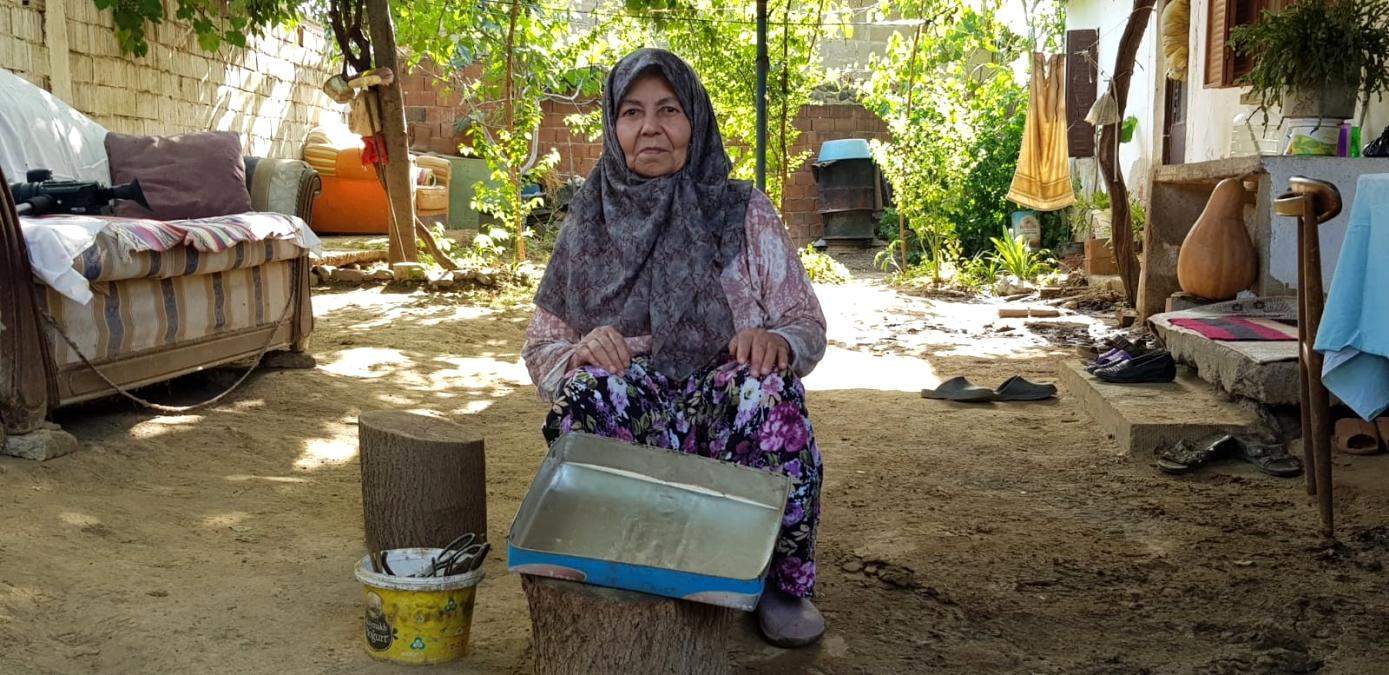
x=1082 y=86
x=1223 y=67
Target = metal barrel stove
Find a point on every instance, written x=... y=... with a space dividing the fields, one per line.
x=852 y=193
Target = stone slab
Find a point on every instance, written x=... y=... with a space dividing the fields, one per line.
x=1142 y=417
x=1266 y=372
x=40 y=444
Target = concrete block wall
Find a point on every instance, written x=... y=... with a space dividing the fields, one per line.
x=268 y=92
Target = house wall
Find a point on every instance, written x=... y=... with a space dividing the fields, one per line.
x=1109 y=18
x=268 y=92
x=1210 y=111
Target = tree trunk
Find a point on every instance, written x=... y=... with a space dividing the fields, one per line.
x=423 y=480
x=392 y=106
x=576 y=628
x=1120 y=218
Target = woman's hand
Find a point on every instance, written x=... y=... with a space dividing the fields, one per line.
x=763 y=351
x=603 y=347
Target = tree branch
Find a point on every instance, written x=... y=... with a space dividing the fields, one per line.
x=1120 y=217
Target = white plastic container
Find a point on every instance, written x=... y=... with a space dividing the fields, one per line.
x=1311 y=137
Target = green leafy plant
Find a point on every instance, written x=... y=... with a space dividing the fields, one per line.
x=1317 y=46
x=821 y=268
x=1078 y=214
x=1015 y=257
x=977 y=272
x=1138 y=218
x=951 y=157
x=1126 y=131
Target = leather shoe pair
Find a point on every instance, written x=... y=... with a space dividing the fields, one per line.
x=1154 y=366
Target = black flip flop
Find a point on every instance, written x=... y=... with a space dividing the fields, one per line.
x=1270 y=458
x=1017 y=388
x=961 y=390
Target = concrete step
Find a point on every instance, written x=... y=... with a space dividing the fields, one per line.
x=1141 y=417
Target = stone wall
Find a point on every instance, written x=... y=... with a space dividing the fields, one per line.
x=268 y=92
x=431 y=115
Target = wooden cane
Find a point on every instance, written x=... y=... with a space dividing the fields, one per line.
x=1312 y=202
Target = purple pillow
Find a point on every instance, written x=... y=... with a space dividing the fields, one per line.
x=196 y=175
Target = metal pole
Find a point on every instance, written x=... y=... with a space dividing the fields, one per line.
x=762 y=67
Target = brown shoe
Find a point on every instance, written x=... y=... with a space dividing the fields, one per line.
x=1355 y=436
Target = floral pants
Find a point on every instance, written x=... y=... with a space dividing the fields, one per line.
x=721 y=412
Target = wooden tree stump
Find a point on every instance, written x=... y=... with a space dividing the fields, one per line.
x=423 y=480
x=577 y=628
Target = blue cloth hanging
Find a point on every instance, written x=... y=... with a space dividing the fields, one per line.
x=1354 y=332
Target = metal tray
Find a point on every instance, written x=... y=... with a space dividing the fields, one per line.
x=627 y=516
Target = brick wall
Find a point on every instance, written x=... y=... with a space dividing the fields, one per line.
x=431 y=115
x=820 y=123
x=268 y=92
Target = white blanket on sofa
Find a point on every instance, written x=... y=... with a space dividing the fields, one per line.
x=39 y=131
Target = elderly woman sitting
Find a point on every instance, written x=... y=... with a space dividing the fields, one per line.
x=675 y=313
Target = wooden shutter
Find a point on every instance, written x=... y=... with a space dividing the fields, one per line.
x=1219 y=58
x=1082 y=85
x=1223 y=67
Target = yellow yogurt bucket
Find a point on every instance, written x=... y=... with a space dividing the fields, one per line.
x=416 y=620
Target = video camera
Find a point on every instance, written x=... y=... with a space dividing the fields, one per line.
x=40 y=195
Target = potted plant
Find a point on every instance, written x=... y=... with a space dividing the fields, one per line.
x=1313 y=58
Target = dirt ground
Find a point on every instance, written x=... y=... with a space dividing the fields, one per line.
x=994 y=538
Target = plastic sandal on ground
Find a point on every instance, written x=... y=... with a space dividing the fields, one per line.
x=1017 y=388
x=1354 y=436
x=960 y=389
x=1270 y=458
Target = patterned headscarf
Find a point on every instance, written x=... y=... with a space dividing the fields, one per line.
x=645 y=254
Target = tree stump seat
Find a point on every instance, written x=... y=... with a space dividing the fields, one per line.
x=578 y=628
x=423 y=480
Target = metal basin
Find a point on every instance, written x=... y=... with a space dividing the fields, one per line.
x=627 y=516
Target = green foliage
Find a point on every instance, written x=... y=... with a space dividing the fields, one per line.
x=1138 y=217
x=1056 y=229
x=952 y=159
x=977 y=272
x=1015 y=257
x=1127 y=129
x=215 y=22
x=821 y=268
x=1315 y=45
x=521 y=51
x=1078 y=214
x=723 y=53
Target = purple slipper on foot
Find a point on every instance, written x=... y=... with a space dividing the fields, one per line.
x=788 y=621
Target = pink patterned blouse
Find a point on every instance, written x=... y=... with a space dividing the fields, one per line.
x=766 y=288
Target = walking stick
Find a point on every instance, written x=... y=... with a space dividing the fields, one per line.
x=1312 y=202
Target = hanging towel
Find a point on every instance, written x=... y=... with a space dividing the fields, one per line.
x=1043 y=177
x=1354 y=332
